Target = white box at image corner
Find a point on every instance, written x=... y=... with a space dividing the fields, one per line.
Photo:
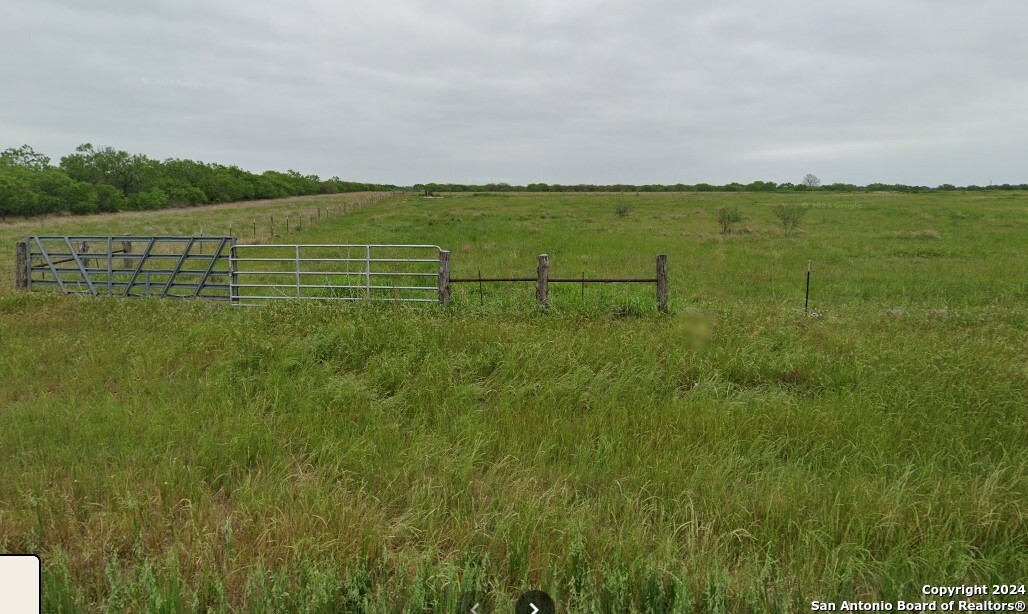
x=19 y=584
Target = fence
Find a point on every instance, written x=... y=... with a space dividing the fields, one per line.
x=334 y=272
x=221 y=269
x=543 y=280
x=131 y=266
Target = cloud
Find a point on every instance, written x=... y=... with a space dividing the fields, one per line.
x=579 y=91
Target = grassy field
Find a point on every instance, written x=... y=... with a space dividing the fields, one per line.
x=735 y=455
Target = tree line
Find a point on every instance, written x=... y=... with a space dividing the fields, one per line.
x=755 y=186
x=95 y=180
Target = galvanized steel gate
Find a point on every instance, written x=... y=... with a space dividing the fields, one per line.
x=220 y=269
x=131 y=266
x=334 y=272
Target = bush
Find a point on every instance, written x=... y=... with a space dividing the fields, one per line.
x=79 y=198
x=728 y=217
x=790 y=216
x=149 y=200
x=184 y=194
x=16 y=195
x=622 y=211
x=109 y=199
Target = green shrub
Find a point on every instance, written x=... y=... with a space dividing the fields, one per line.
x=149 y=200
x=109 y=199
x=79 y=197
x=727 y=217
x=790 y=216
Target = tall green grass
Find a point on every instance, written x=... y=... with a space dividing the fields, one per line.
x=736 y=455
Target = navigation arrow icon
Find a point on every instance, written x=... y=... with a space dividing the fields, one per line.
x=534 y=602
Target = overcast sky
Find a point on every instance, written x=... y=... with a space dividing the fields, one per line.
x=561 y=91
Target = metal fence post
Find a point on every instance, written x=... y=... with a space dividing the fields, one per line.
x=806 y=297
x=21 y=270
x=233 y=279
x=542 y=281
x=367 y=271
x=444 y=277
x=299 y=282
x=110 y=265
x=662 y=283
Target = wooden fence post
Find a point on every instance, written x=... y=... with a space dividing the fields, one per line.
x=542 y=281
x=21 y=266
x=662 y=283
x=444 y=277
x=126 y=248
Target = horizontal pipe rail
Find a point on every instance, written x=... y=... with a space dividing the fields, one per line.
x=373 y=273
x=153 y=284
x=360 y=287
x=123 y=256
x=332 y=298
x=294 y=259
x=105 y=271
x=306 y=245
x=561 y=280
x=133 y=238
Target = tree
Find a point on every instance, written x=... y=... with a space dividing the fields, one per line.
x=130 y=174
x=811 y=181
x=25 y=157
x=727 y=218
x=16 y=194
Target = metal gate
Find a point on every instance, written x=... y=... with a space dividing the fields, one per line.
x=218 y=268
x=130 y=266
x=334 y=272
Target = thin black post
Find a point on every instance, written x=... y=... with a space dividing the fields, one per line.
x=481 y=293
x=806 y=299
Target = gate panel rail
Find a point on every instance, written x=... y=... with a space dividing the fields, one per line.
x=334 y=272
x=130 y=266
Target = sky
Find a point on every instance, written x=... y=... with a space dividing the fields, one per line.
x=557 y=91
